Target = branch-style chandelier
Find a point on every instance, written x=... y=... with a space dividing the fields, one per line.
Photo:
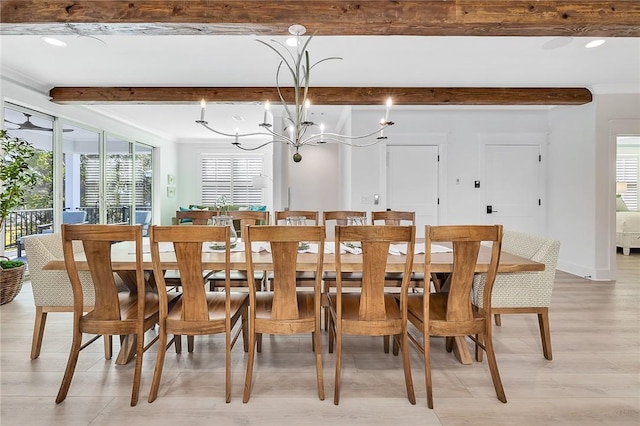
x=299 y=130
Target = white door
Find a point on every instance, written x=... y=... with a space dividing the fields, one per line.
x=512 y=187
x=412 y=182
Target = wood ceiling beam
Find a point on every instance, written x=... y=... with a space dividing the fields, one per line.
x=325 y=95
x=619 y=18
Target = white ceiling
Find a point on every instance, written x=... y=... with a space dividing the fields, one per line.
x=367 y=61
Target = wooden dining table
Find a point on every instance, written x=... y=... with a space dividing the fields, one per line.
x=123 y=262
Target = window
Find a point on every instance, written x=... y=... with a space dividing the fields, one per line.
x=627 y=171
x=231 y=176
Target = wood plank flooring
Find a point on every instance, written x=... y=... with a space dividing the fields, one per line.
x=594 y=378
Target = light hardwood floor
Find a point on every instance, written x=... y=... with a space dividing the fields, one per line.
x=594 y=378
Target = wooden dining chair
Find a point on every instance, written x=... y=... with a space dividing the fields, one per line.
x=114 y=313
x=198 y=312
x=330 y=219
x=188 y=217
x=287 y=309
x=195 y=217
x=310 y=215
x=450 y=312
x=371 y=311
x=239 y=278
x=303 y=278
x=397 y=218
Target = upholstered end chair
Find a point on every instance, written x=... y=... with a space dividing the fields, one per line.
x=51 y=289
x=524 y=292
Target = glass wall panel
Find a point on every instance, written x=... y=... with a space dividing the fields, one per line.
x=119 y=181
x=81 y=171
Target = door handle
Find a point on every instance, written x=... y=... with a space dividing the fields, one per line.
x=491 y=210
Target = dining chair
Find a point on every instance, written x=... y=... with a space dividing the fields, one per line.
x=397 y=218
x=523 y=292
x=287 y=309
x=303 y=278
x=371 y=311
x=239 y=278
x=114 y=313
x=197 y=312
x=450 y=312
x=188 y=217
x=330 y=219
x=52 y=290
x=195 y=217
x=281 y=216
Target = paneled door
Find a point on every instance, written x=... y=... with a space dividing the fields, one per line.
x=512 y=187
x=412 y=182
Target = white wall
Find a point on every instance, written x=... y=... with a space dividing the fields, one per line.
x=571 y=183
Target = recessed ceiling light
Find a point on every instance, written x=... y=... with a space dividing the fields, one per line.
x=594 y=43
x=54 y=42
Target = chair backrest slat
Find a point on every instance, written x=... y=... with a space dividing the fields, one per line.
x=188 y=244
x=375 y=241
x=466 y=241
x=284 y=242
x=195 y=217
x=393 y=217
x=97 y=241
x=311 y=215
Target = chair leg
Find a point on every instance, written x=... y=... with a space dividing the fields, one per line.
x=493 y=366
x=252 y=351
x=478 y=348
x=38 y=332
x=498 y=320
x=71 y=365
x=396 y=346
x=227 y=362
x=427 y=368
x=108 y=346
x=245 y=330
x=336 y=392
x=385 y=342
x=137 y=374
x=407 y=368
x=259 y=342
x=318 y=353
x=332 y=334
x=190 y=340
x=177 y=341
x=543 y=321
x=157 y=372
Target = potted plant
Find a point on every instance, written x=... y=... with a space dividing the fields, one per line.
x=15 y=173
x=15 y=178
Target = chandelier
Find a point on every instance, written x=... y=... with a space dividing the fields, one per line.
x=299 y=130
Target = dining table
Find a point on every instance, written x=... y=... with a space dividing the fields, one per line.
x=123 y=262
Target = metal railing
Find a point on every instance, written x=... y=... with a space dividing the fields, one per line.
x=22 y=223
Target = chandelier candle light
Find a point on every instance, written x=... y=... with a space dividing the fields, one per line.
x=298 y=130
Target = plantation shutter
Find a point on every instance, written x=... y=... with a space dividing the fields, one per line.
x=627 y=171
x=231 y=176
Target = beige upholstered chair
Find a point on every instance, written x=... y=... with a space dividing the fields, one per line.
x=52 y=289
x=524 y=292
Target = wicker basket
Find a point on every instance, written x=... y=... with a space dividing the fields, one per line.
x=10 y=283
